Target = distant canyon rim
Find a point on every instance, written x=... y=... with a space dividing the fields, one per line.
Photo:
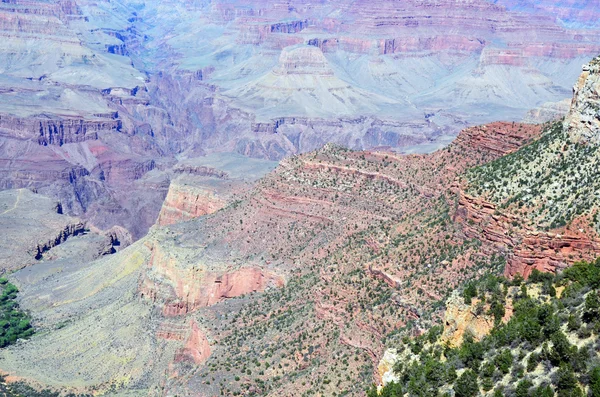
x=110 y=97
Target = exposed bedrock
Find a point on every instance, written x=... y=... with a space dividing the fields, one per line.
x=526 y=248
x=196 y=348
x=32 y=224
x=185 y=202
x=583 y=120
x=461 y=319
x=55 y=131
x=181 y=287
x=529 y=240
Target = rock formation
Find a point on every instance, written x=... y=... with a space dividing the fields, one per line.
x=32 y=225
x=279 y=284
x=583 y=120
x=526 y=248
x=306 y=247
x=36 y=230
x=184 y=203
x=461 y=319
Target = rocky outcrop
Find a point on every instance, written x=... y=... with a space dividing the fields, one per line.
x=56 y=131
x=119 y=236
x=583 y=121
x=498 y=139
x=461 y=319
x=303 y=61
x=181 y=288
x=526 y=248
x=62 y=236
x=32 y=225
x=196 y=348
x=121 y=170
x=289 y=27
x=185 y=202
x=200 y=170
x=535 y=238
x=385 y=368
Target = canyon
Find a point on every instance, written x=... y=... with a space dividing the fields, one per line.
x=110 y=96
x=209 y=198
x=227 y=289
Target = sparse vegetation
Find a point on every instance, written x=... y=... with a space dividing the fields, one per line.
x=563 y=172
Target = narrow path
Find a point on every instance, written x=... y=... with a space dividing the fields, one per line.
x=16 y=203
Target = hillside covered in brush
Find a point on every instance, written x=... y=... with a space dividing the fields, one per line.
x=544 y=342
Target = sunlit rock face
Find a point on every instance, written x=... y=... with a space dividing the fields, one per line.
x=583 y=120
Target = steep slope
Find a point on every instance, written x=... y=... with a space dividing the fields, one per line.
x=539 y=205
x=542 y=339
x=543 y=195
x=348 y=249
x=205 y=185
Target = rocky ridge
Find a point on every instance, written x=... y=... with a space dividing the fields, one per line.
x=583 y=121
x=506 y=212
x=373 y=238
x=36 y=230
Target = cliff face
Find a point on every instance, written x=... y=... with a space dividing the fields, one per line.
x=32 y=225
x=526 y=247
x=180 y=287
x=461 y=319
x=583 y=121
x=49 y=131
x=185 y=202
x=276 y=81
x=318 y=260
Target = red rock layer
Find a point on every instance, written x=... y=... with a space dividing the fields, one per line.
x=196 y=349
x=498 y=139
x=526 y=248
x=182 y=288
x=184 y=203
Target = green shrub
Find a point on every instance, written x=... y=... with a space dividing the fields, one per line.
x=14 y=324
x=504 y=361
x=595 y=382
x=466 y=384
